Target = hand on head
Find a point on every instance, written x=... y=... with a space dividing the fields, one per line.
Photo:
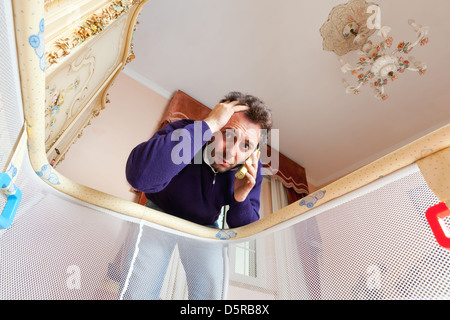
x=222 y=113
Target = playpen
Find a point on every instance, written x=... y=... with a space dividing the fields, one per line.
x=378 y=233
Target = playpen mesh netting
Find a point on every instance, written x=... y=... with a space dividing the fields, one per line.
x=373 y=243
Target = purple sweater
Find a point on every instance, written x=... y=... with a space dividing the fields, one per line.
x=192 y=191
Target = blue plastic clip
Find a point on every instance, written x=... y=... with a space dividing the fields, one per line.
x=12 y=203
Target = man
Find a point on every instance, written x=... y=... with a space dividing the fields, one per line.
x=196 y=190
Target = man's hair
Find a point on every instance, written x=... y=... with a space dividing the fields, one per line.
x=257 y=113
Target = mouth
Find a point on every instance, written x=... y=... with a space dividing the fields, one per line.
x=223 y=166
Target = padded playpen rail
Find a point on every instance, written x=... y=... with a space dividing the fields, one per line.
x=311 y=231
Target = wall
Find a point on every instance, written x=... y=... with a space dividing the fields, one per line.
x=98 y=158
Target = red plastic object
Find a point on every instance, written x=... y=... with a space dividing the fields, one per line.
x=434 y=215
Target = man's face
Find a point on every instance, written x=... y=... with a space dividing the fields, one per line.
x=234 y=143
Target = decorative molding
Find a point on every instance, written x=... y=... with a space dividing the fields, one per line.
x=90 y=27
x=56 y=96
x=101 y=98
x=131 y=56
x=87 y=60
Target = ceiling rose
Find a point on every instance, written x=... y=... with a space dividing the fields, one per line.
x=346 y=23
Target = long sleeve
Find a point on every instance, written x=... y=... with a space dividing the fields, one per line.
x=247 y=211
x=152 y=164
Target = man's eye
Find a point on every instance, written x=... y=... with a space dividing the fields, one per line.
x=245 y=146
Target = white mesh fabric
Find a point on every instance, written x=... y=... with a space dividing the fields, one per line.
x=11 y=116
x=61 y=248
x=57 y=248
x=372 y=244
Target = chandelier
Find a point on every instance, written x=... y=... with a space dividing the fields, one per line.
x=350 y=26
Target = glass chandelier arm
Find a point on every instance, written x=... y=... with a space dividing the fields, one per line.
x=345 y=67
x=379 y=92
x=418 y=66
x=422 y=32
x=349 y=88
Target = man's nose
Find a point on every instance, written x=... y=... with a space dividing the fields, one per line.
x=232 y=151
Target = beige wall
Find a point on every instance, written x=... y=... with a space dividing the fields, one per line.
x=98 y=158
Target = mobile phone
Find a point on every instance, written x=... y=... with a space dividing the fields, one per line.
x=240 y=174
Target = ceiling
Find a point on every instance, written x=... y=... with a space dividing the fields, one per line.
x=273 y=49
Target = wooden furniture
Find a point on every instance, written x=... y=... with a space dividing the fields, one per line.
x=87 y=43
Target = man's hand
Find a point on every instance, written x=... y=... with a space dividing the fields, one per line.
x=221 y=114
x=242 y=187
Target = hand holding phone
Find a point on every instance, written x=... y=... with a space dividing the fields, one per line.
x=240 y=174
